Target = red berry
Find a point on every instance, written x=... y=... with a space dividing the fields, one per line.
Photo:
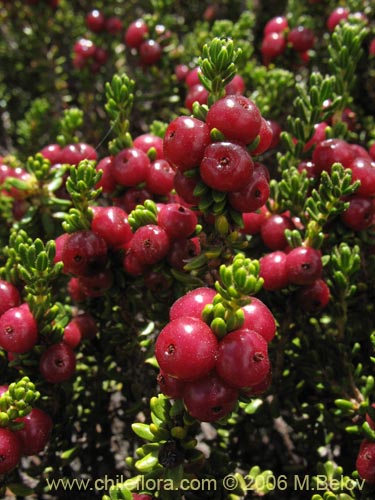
x=277 y=24
x=136 y=33
x=52 y=152
x=196 y=93
x=107 y=181
x=86 y=324
x=84 y=253
x=360 y=213
x=111 y=223
x=150 y=244
x=336 y=16
x=273 y=45
x=181 y=71
x=170 y=386
x=365 y=462
x=185 y=186
x=226 y=166
x=75 y=291
x=159 y=178
x=95 y=21
x=273 y=231
x=113 y=25
x=301 y=39
x=331 y=151
x=254 y=194
x=364 y=170
x=235 y=86
x=303 y=265
x=85 y=48
x=74 y=153
x=182 y=250
x=10 y=450
x=314 y=297
x=72 y=335
x=150 y=52
x=9 y=296
x=184 y=143
x=130 y=167
x=253 y=221
x=209 y=398
x=36 y=431
x=192 y=78
x=259 y=388
x=237 y=117
x=265 y=138
x=177 y=220
x=273 y=271
x=147 y=141
x=133 y=197
x=186 y=348
x=192 y=303
x=18 y=330
x=319 y=135
x=97 y=284
x=57 y=363
x=259 y=319
x=242 y=359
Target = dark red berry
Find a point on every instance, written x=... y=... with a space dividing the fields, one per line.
x=160 y=177
x=74 y=153
x=36 y=431
x=150 y=52
x=273 y=231
x=276 y=24
x=75 y=291
x=85 y=48
x=9 y=296
x=86 y=324
x=331 y=151
x=301 y=38
x=259 y=388
x=185 y=186
x=107 y=182
x=97 y=284
x=303 y=265
x=177 y=220
x=360 y=213
x=259 y=319
x=132 y=264
x=111 y=223
x=18 y=330
x=133 y=197
x=113 y=25
x=365 y=462
x=185 y=140
x=192 y=303
x=314 y=297
x=237 y=117
x=147 y=141
x=84 y=253
x=319 y=135
x=235 y=86
x=254 y=194
x=95 y=21
x=242 y=359
x=337 y=15
x=265 y=138
x=273 y=270
x=170 y=386
x=10 y=450
x=226 y=166
x=192 y=78
x=273 y=45
x=72 y=334
x=253 y=221
x=136 y=33
x=57 y=363
x=52 y=152
x=150 y=244
x=130 y=166
x=186 y=348
x=209 y=398
x=363 y=170
x=182 y=250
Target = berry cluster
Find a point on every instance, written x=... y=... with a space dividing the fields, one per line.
x=208 y=372
x=149 y=50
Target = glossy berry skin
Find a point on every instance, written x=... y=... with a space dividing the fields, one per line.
x=9 y=296
x=72 y=335
x=84 y=48
x=35 y=434
x=98 y=284
x=150 y=244
x=365 y=462
x=192 y=303
x=235 y=86
x=86 y=324
x=363 y=170
x=170 y=386
x=196 y=93
x=186 y=348
x=130 y=167
x=184 y=143
x=254 y=194
x=113 y=25
x=337 y=15
x=192 y=78
x=136 y=33
x=277 y=24
x=265 y=138
x=150 y=52
x=95 y=21
x=303 y=265
x=145 y=142
x=242 y=359
x=209 y=398
x=57 y=363
x=273 y=231
x=253 y=221
x=259 y=319
x=226 y=166
x=182 y=250
x=10 y=450
x=177 y=220
x=111 y=223
x=330 y=151
x=360 y=213
x=273 y=45
x=237 y=117
x=273 y=270
x=84 y=253
x=107 y=181
x=52 y=152
x=134 y=196
x=314 y=297
x=185 y=186
x=159 y=177
x=18 y=330
x=74 y=153
x=301 y=39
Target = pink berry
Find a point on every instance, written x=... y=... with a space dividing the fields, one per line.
x=192 y=303
x=136 y=33
x=259 y=319
x=147 y=141
x=277 y=24
x=273 y=270
x=18 y=330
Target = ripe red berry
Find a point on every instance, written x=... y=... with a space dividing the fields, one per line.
x=107 y=182
x=159 y=178
x=365 y=462
x=111 y=223
x=226 y=166
x=52 y=152
x=314 y=297
x=18 y=330
x=57 y=363
x=9 y=296
x=170 y=386
x=85 y=48
x=147 y=141
x=150 y=244
x=130 y=166
x=10 y=450
x=303 y=265
x=177 y=220
x=209 y=398
x=72 y=334
x=113 y=25
x=192 y=303
x=273 y=231
x=273 y=270
x=184 y=143
x=360 y=213
x=36 y=431
x=242 y=359
x=74 y=153
x=235 y=86
x=95 y=21
x=150 y=52
x=136 y=33
x=259 y=319
x=185 y=186
x=337 y=15
x=301 y=39
x=196 y=93
x=363 y=170
x=276 y=24
x=186 y=348
x=182 y=250
x=273 y=45
x=237 y=117
x=330 y=151
x=254 y=194
x=265 y=138
x=133 y=197
x=97 y=284
x=192 y=78
x=84 y=253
